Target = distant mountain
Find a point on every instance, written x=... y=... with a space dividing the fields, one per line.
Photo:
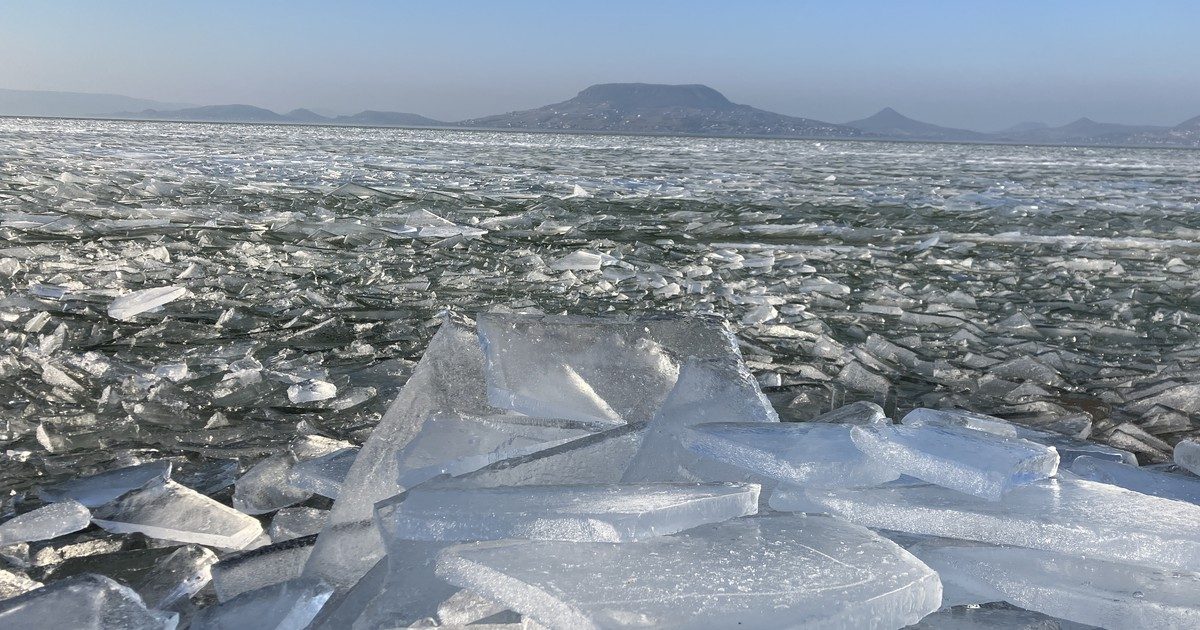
x=307 y=116
x=890 y=123
x=1024 y=127
x=209 y=113
x=658 y=108
x=388 y=119
x=1083 y=131
x=72 y=104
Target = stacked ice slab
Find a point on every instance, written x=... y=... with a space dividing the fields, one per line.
x=535 y=471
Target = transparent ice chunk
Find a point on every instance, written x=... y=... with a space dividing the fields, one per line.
x=45 y=522
x=311 y=391
x=267 y=486
x=290 y=605
x=860 y=412
x=96 y=490
x=1187 y=454
x=177 y=577
x=254 y=569
x=706 y=391
x=767 y=572
x=612 y=513
x=131 y=304
x=1064 y=515
x=84 y=602
x=1085 y=590
x=323 y=475
x=297 y=522
x=974 y=462
x=805 y=453
x=169 y=511
x=1154 y=482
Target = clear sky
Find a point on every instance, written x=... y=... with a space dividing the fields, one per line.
x=970 y=63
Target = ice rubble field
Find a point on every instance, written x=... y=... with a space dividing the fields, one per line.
x=202 y=325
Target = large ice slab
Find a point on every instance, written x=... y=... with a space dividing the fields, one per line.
x=1108 y=594
x=132 y=304
x=267 y=486
x=169 y=511
x=45 y=522
x=96 y=490
x=290 y=605
x=1187 y=454
x=251 y=570
x=323 y=475
x=598 y=458
x=806 y=453
x=85 y=602
x=596 y=369
x=721 y=390
x=1065 y=515
x=975 y=462
x=610 y=513
x=765 y=572
x=1154 y=482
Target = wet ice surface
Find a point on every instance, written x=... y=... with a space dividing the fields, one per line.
x=228 y=295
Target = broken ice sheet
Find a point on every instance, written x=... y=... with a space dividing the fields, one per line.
x=706 y=391
x=1106 y=594
x=45 y=522
x=805 y=453
x=970 y=461
x=96 y=490
x=177 y=577
x=769 y=571
x=612 y=513
x=1180 y=487
x=605 y=370
x=1065 y=515
x=131 y=304
x=290 y=523
x=1187 y=454
x=86 y=602
x=256 y=568
x=267 y=486
x=169 y=511
x=288 y=605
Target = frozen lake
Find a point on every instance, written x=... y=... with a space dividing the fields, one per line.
x=1055 y=286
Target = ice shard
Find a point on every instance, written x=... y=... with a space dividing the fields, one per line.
x=298 y=522
x=1187 y=454
x=132 y=304
x=769 y=571
x=177 y=577
x=1085 y=590
x=1180 y=487
x=45 y=522
x=805 y=453
x=267 y=486
x=593 y=369
x=251 y=570
x=610 y=513
x=96 y=490
x=290 y=605
x=1065 y=515
x=85 y=602
x=169 y=511
x=970 y=461
x=720 y=390
x=323 y=475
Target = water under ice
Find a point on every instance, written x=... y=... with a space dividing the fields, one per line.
x=772 y=571
x=970 y=461
x=611 y=513
x=1106 y=594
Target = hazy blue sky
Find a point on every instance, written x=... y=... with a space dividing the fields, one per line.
x=969 y=63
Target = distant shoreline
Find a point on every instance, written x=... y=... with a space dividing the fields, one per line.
x=632 y=134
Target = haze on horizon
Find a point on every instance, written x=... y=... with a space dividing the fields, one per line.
x=959 y=64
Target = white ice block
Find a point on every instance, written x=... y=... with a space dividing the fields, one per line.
x=83 y=602
x=1154 y=482
x=707 y=391
x=1108 y=594
x=169 y=511
x=45 y=522
x=805 y=453
x=288 y=605
x=1065 y=515
x=975 y=462
x=762 y=572
x=610 y=513
x=96 y=490
x=1187 y=454
x=594 y=369
x=131 y=304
